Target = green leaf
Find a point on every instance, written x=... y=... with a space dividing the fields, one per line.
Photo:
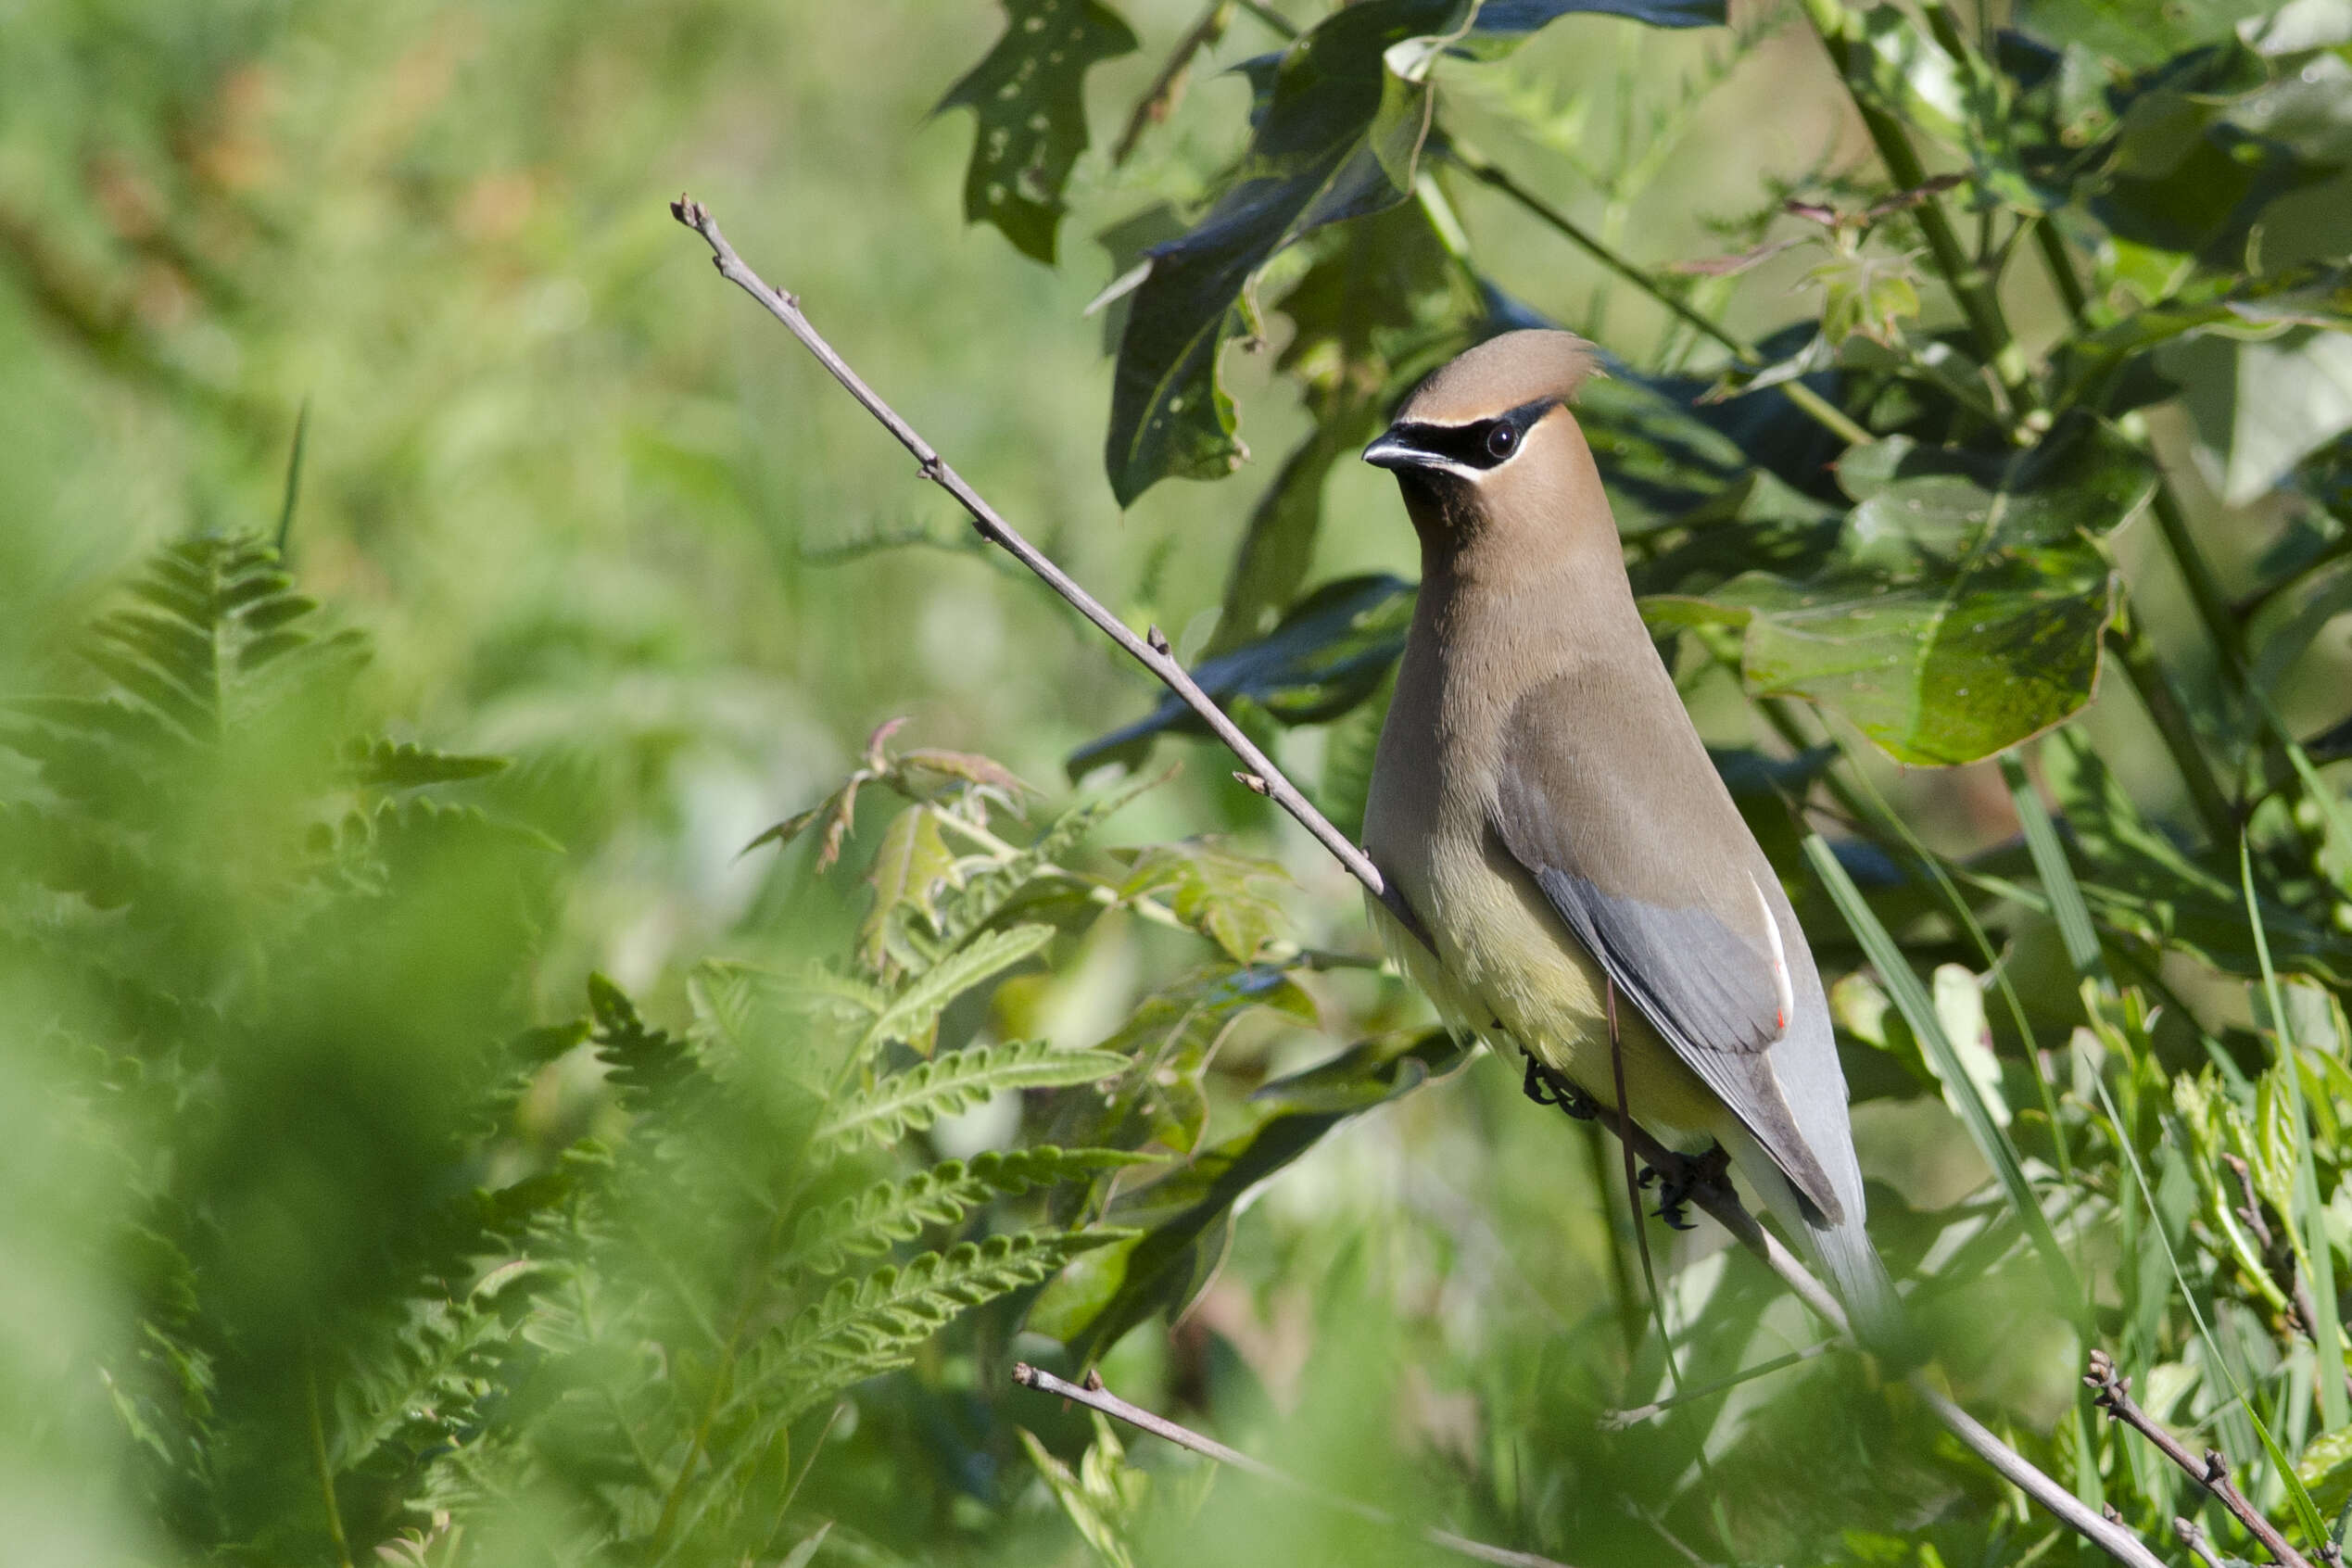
x=861 y=1327
x=1312 y=162
x=2140 y=882
x=1029 y=96
x=1098 y=1502
x=868 y=1223
x=1167 y=1044
x=911 y=1101
x=2260 y=407
x=640 y=1060
x=1330 y=652
x=912 y=1015
x=1962 y=610
x=910 y=866
x=1091 y=1310
x=401 y=764
x=1228 y=898
x=1962 y=1089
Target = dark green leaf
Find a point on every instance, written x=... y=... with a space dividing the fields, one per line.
x=1331 y=132
x=1177 y=1213
x=403 y=764
x=1328 y=654
x=1029 y=94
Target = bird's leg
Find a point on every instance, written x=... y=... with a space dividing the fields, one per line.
x=1683 y=1175
x=1547 y=1086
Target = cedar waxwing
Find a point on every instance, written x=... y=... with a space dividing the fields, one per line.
x=1540 y=798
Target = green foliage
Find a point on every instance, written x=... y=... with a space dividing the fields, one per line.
x=344 y=1230
x=1028 y=97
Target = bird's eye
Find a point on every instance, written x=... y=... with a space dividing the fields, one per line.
x=1501 y=441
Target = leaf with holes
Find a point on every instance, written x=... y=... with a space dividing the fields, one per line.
x=1028 y=94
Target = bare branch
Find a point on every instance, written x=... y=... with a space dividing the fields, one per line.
x=1717 y=1197
x=1092 y=1395
x=2112 y=1393
x=786 y=308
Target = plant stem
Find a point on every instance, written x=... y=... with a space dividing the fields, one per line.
x=318 y=1460
x=2053 y=246
x=1972 y=285
x=1153 y=654
x=2129 y=646
x=1717 y=1197
x=1094 y=1396
x=1823 y=411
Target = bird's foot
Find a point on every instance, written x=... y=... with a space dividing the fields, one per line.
x=1682 y=1176
x=1547 y=1086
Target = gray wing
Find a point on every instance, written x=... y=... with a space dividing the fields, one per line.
x=1607 y=800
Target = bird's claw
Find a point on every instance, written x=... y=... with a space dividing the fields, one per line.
x=1682 y=1176
x=1547 y=1086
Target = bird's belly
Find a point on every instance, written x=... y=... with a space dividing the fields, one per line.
x=1507 y=955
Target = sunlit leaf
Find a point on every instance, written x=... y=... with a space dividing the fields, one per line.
x=1963 y=610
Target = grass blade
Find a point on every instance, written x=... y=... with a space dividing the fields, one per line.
x=1910 y=999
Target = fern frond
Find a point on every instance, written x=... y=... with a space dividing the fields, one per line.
x=989 y=891
x=912 y=1014
x=867 y=1223
x=640 y=1061
x=420 y=1393
x=400 y=764
x=863 y=1327
x=957 y=1082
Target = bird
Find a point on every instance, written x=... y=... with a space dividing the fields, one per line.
x=1544 y=805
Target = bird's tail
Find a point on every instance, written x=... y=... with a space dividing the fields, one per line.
x=1856 y=1276
x=1860 y=1279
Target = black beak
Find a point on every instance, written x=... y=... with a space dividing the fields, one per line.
x=1391 y=450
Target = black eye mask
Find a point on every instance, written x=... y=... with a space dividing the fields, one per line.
x=1489 y=443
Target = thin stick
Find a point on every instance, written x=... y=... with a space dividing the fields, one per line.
x=2112 y=1393
x=1094 y=1396
x=1153 y=654
x=1633 y=1194
x=1717 y=1197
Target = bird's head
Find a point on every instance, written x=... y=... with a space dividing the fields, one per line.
x=1486 y=444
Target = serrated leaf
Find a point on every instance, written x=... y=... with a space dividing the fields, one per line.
x=1228 y=898
x=641 y=1061
x=868 y=1223
x=1962 y=609
x=911 y=1101
x=1090 y=1310
x=861 y=1327
x=1166 y=1043
x=913 y=1013
x=1312 y=162
x=910 y=865
x=403 y=764
x=1028 y=93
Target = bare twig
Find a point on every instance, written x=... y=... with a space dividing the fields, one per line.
x=996 y=531
x=1715 y=1196
x=1093 y=1396
x=1159 y=99
x=2112 y=1393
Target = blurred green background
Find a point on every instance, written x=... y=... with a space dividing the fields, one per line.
x=593 y=513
